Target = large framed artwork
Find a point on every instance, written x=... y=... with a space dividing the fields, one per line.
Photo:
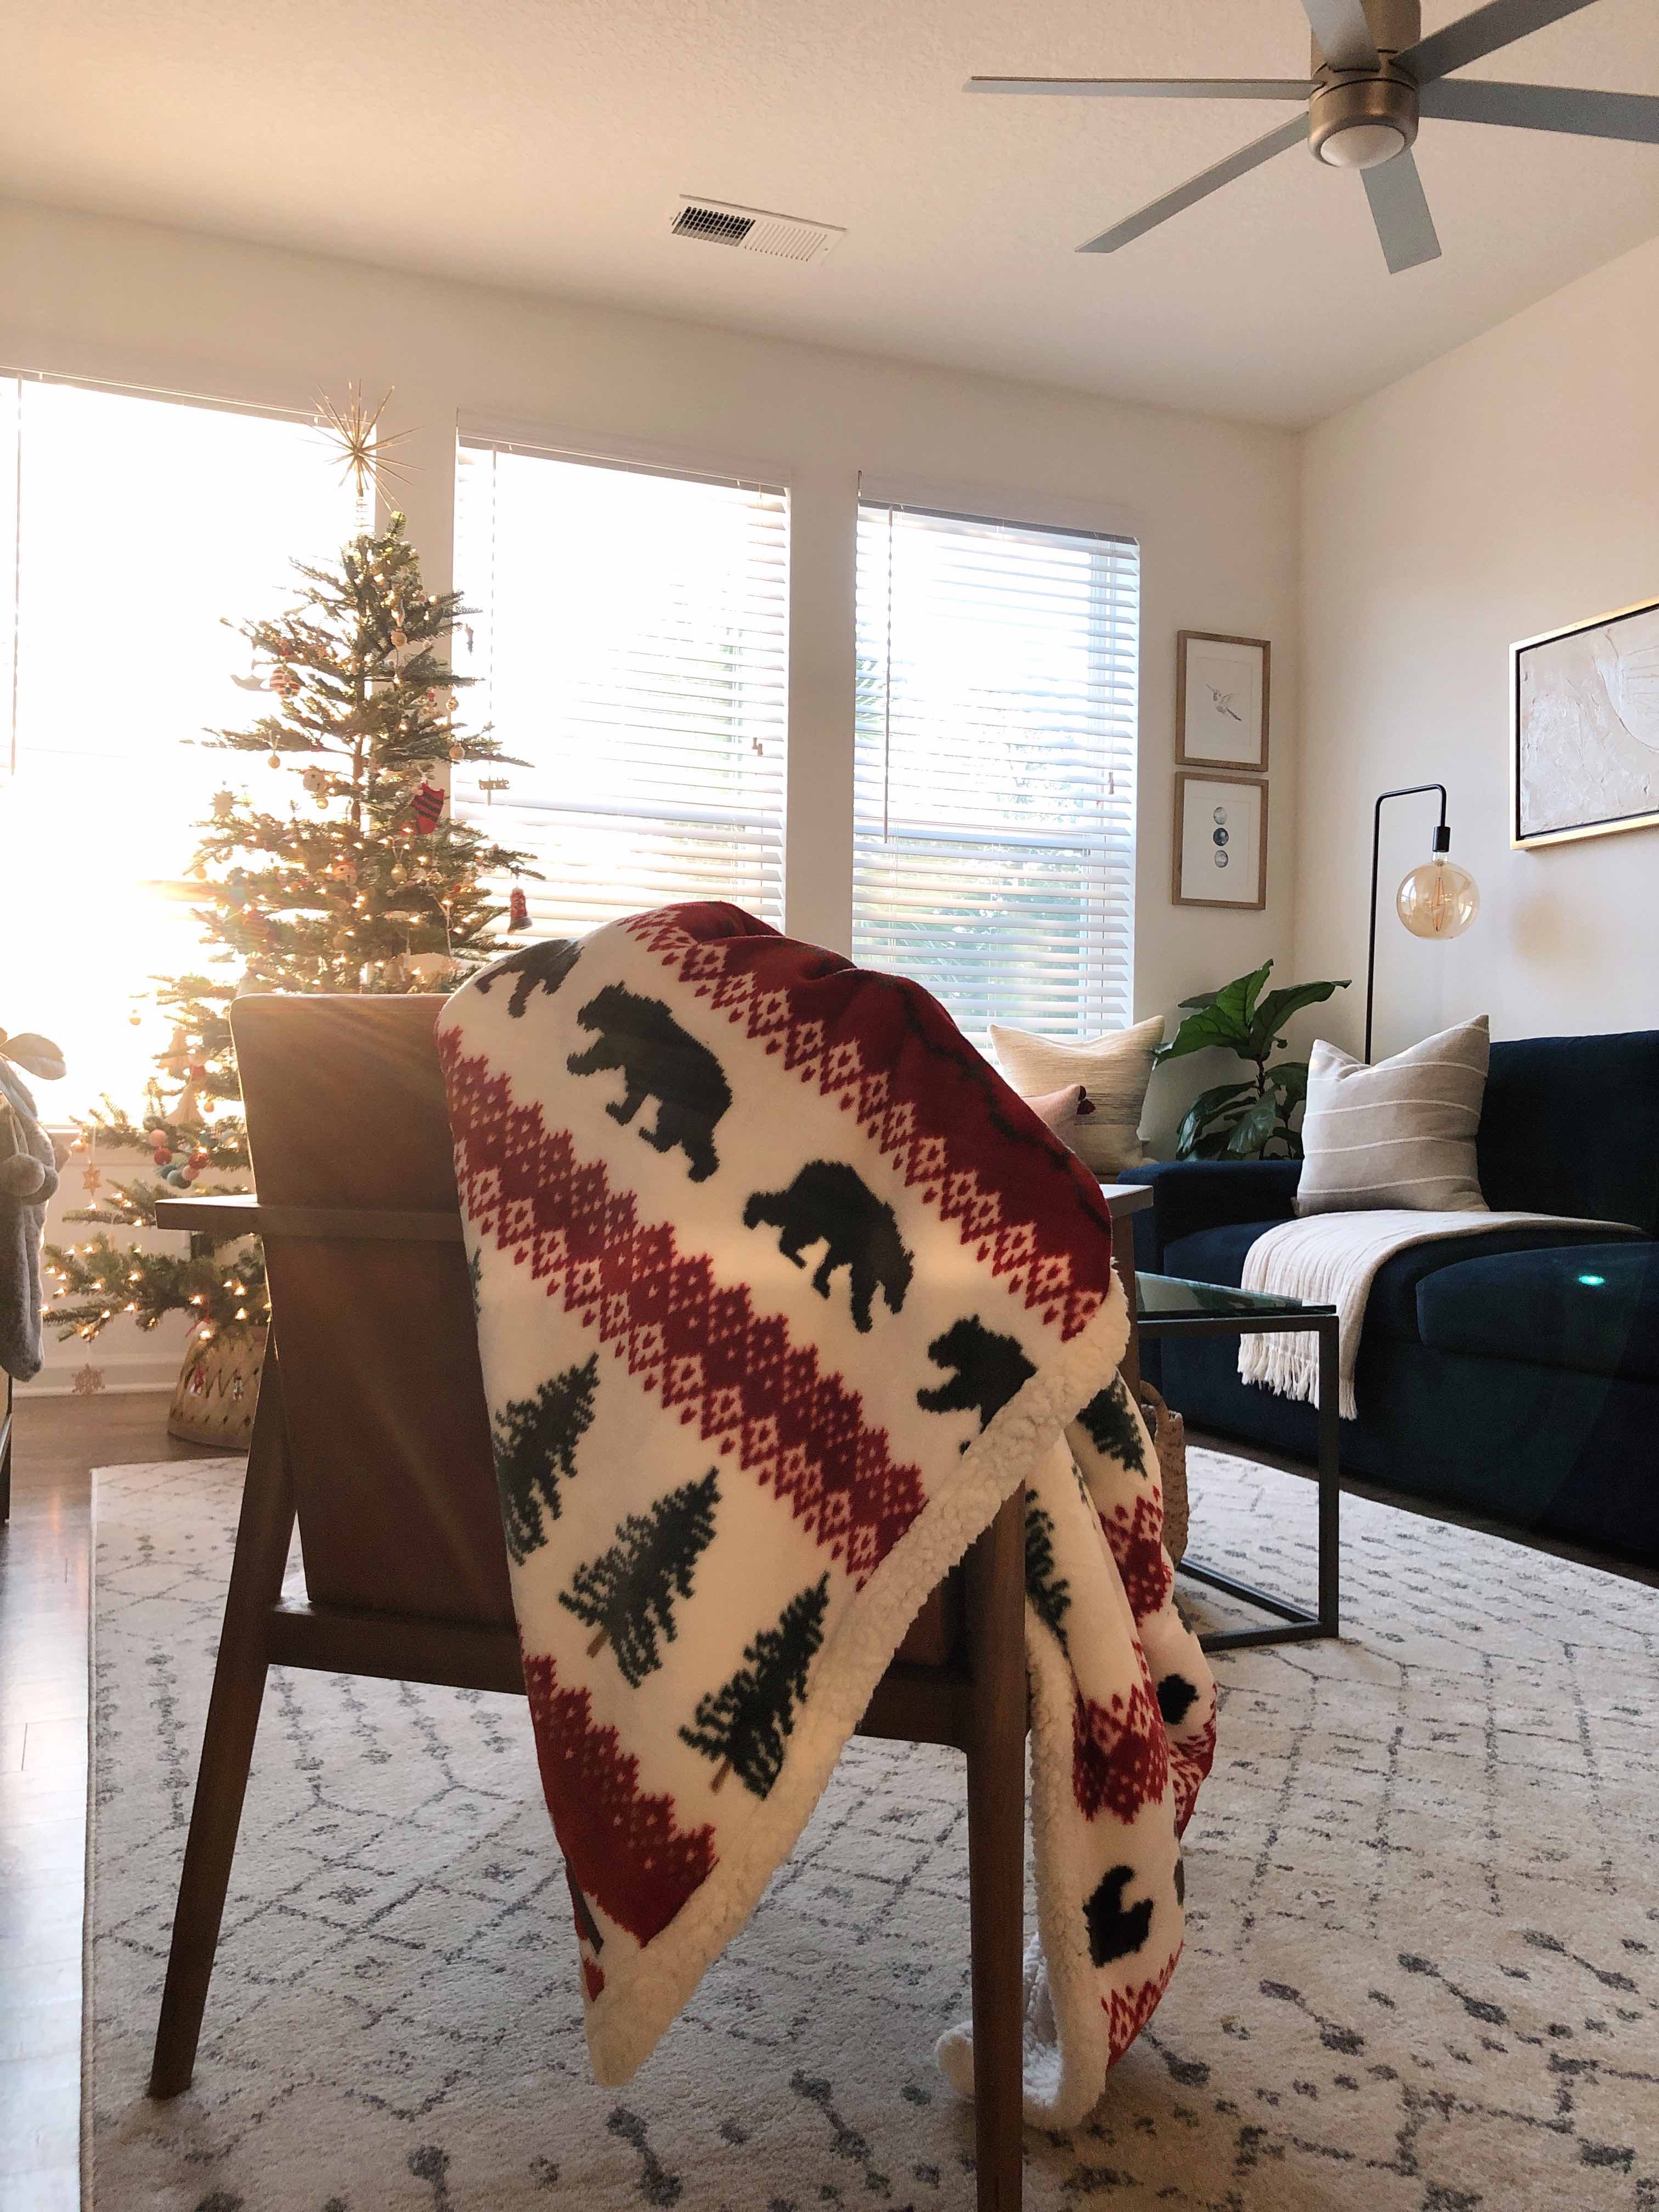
x=1584 y=729
x=1220 y=841
x=1221 y=701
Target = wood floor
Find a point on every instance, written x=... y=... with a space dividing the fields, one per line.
x=44 y=1577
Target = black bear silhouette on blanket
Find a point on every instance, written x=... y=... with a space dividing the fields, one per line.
x=658 y=1060
x=829 y=1203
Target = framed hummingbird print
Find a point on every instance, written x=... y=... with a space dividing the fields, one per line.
x=1221 y=701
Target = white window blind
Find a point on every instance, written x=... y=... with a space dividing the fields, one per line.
x=131 y=528
x=993 y=831
x=631 y=639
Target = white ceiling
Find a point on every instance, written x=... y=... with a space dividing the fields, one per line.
x=540 y=143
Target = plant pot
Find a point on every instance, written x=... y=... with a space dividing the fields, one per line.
x=218 y=1386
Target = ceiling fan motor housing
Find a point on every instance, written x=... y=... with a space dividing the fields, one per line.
x=1358 y=119
x=1357 y=122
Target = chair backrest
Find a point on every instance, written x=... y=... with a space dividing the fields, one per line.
x=388 y=1430
x=1571 y=1124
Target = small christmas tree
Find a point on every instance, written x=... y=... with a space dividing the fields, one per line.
x=1049 y=1593
x=370 y=885
x=627 y=1593
x=532 y=1437
x=1114 y=1426
x=746 y=1725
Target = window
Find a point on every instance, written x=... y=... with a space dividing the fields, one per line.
x=631 y=637
x=993 y=814
x=131 y=530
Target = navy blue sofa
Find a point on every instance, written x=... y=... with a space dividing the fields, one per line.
x=1514 y=1376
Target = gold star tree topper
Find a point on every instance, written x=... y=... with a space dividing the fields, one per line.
x=358 y=442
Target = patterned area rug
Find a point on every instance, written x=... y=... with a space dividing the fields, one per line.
x=1422 y=1972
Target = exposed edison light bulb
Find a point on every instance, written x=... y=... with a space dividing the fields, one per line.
x=1438 y=899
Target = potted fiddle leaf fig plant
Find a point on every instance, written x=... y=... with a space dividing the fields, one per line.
x=1250 y=1120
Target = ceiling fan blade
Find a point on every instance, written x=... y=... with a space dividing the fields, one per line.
x=1401 y=213
x=1149 y=88
x=1629 y=115
x=1499 y=23
x=1344 y=35
x=1197 y=188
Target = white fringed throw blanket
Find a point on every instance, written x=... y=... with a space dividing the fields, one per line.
x=1332 y=1260
x=781 y=1292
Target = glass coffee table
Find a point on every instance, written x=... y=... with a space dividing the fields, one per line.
x=1168 y=1305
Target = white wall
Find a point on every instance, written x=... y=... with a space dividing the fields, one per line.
x=1509 y=487
x=1213 y=504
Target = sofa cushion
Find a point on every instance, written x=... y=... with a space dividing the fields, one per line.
x=1591 y=1308
x=1394 y=1307
x=1571 y=1125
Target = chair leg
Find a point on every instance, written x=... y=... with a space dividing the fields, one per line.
x=996 y=1848
x=262 y=1536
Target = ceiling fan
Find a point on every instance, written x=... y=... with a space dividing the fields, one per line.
x=1373 y=75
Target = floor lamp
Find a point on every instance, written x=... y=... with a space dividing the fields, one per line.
x=1436 y=899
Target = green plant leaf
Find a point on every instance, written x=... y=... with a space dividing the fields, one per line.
x=1226 y=1021
x=1289 y=1078
x=1205 y=1109
x=1254 y=1129
x=1276 y=1009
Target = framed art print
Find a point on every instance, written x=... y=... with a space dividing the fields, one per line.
x=1220 y=841
x=1221 y=701
x=1584 y=729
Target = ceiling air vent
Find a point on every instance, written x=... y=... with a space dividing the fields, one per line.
x=753 y=230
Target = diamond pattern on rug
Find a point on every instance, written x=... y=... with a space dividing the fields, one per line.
x=1422 y=1971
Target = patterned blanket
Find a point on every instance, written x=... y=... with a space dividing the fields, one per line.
x=780 y=1293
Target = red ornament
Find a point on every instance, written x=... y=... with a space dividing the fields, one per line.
x=517 y=909
x=427 y=804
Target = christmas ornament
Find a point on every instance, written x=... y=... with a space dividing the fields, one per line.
x=224 y=805
x=517 y=909
x=352 y=433
x=87 y=1380
x=284 y=682
x=274 y=761
x=399 y=636
x=489 y=785
x=427 y=804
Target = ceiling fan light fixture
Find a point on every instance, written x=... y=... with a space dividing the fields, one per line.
x=1361 y=146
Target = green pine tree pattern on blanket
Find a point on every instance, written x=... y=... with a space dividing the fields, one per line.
x=531 y=1437
x=627 y=1593
x=1114 y=1426
x=746 y=1725
x=1050 y=1592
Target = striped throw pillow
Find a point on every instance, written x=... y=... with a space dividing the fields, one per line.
x=1400 y=1134
x=1114 y=1070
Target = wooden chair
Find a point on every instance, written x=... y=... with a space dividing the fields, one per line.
x=371 y=1415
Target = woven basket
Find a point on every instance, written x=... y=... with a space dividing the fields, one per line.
x=218 y=1383
x=1170 y=1443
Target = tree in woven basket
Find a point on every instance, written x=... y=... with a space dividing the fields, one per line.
x=746 y=1725
x=352 y=877
x=628 y=1594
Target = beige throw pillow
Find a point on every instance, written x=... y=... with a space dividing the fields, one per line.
x=1400 y=1134
x=1114 y=1070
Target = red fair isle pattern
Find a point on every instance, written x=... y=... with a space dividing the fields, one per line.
x=758 y=1397
x=1024 y=1225
x=1136 y=1542
x=1189 y=1762
x=1120 y=1751
x=620 y=1846
x=1127 y=2013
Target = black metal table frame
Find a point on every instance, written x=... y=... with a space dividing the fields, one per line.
x=1296 y=1623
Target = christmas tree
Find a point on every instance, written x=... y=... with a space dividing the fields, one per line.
x=370 y=885
x=1114 y=1426
x=746 y=1725
x=532 y=1437
x=1049 y=1593
x=628 y=1594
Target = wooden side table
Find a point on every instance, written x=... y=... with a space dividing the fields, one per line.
x=1125 y=1201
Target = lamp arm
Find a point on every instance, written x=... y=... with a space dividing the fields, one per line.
x=1405 y=791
